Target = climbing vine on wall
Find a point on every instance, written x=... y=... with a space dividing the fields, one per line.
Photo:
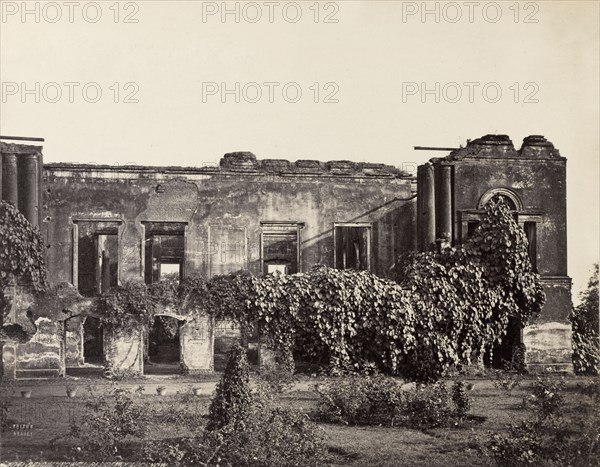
x=448 y=307
x=21 y=252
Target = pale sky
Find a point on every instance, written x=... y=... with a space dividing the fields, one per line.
x=371 y=60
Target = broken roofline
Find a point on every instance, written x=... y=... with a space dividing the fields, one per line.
x=246 y=163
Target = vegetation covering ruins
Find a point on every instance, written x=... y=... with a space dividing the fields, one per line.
x=21 y=262
x=449 y=308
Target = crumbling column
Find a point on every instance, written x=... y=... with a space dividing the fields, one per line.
x=28 y=187
x=428 y=208
x=9 y=178
x=444 y=202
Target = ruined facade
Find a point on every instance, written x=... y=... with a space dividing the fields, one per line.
x=106 y=225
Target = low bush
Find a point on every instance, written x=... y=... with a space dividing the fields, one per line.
x=355 y=400
x=547 y=438
x=110 y=424
x=272 y=436
x=429 y=406
x=547 y=397
x=377 y=400
x=507 y=379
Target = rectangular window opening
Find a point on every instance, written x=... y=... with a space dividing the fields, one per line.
x=280 y=247
x=164 y=251
x=352 y=247
x=97 y=258
x=531 y=234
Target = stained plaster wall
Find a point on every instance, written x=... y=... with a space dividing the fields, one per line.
x=223 y=208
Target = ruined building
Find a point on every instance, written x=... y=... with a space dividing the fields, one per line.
x=105 y=225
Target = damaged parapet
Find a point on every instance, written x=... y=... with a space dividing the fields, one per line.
x=497 y=146
x=247 y=162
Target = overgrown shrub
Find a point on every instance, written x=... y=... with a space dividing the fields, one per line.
x=231 y=405
x=22 y=250
x=448 y=308
x=273 y=436
x=461 y=398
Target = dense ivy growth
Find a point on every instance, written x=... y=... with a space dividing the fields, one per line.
x=21 y=260
x=448 y=307
x=21 y=249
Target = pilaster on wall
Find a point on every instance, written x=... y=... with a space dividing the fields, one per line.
x=426 y=214
x=443 y=230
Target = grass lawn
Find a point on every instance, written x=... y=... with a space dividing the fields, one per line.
x=34 y=422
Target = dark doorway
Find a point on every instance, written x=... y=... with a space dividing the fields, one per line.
x=93 y=341
x=510 y=353
x=163 y=346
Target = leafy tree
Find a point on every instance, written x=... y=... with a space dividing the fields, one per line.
x=586 y=348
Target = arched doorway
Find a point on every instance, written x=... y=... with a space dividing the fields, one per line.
x=93 y=341
x=163 y=346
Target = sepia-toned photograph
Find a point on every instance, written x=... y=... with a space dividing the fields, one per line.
x=299 y=233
